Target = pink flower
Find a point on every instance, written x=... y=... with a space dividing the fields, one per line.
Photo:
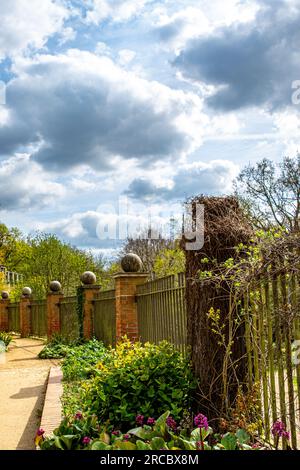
x=279 y=430
x=86 y=440
x=126 y=437
x=78 y=415
x=150 y=421
x=171 y=423
x=140 y=420
x=40 y=432
x=201 y=421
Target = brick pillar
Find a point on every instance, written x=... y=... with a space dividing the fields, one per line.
x=126 y=307
x=89 y=292
x=25 y=323
x=4 y=303
x=53 y=313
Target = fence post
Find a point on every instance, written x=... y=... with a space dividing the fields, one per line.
x=25 y=323
x=53 y=311
x=126 y=306
x=89 y=288
x=4 y=303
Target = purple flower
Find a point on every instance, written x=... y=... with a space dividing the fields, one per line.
x=40 y=432
x=201 y=421
x=150 y=421
x=78 y=415
x=171 y=423
x=86 y=440
x=126 y=437
x=279 y=430
x=116 y=433
x=140 y=420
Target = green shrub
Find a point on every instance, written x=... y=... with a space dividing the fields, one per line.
x=57 y=347
x=6 y=338
x=139 y=379
x=80 y=361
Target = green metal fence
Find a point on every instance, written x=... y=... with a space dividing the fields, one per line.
x=104 y=320
x=162 y=311
x=14 y=317
x=273 y=350
x=69 y=318
x=38 y=318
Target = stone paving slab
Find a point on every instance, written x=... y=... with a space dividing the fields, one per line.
x=52 y=412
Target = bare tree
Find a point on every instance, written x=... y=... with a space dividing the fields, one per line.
x=147 y=248
x=270 y=193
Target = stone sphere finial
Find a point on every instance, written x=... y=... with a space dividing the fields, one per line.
x=26 y=291
x=55 y=286
x=131 y=263
x=88 y=278
x=4 y=295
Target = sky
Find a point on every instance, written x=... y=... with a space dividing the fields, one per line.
x=113 y=112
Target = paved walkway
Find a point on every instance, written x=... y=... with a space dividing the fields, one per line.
x=22 y=390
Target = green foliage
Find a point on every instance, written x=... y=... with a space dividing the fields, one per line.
x=169 y=261
x=80 y=361
x=42 y=258
x=146 y=378
x=79 y=309
x=86 y=434
x=6 y=338
x=56 y=348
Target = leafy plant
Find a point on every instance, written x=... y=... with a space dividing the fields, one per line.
x=6 y=338
x=56 y=348
x=87 y=434
x=80 y=361
x=134 y=377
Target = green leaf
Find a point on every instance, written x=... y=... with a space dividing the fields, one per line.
x=140 y=445
x=158 y=443
x=105 y=438
x=142 y=433
x=195 y=434
x=125 y=445
x=99 y=445
x=160 y=425
x=184 y=444
x=229 y=441
x=242 y=436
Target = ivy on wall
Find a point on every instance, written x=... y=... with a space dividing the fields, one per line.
x=80 y=311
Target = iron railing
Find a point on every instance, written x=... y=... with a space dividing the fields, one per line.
x=104 y=319
x=162 y=311
x=68 y=318
x=14 y=317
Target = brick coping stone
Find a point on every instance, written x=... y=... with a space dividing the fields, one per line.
x=52 y=411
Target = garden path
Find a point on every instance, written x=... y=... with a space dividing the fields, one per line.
x=23 y=380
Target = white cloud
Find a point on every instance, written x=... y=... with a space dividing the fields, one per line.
x=84 y=109
x=115 y=10
x=24 y=185
x=126 y=56
x=29 y=24
x=215 y=177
